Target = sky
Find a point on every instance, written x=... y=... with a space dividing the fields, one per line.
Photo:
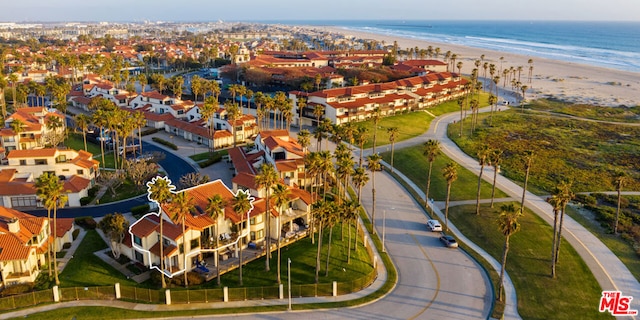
x=281 y=10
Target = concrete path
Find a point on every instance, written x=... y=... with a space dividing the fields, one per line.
x=62 y=262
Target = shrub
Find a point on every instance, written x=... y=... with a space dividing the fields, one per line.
x=85 y=200
x=586 y=199
x=214 y=159
x=149 y=131
x=66 y=245
x=140 y=210
x=75 y=233
x=86 y=222
x=93 y=191
x=165 y=143
x=16 y=289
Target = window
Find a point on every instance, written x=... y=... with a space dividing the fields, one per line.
x=61 y=158
x=23 y=162
x=80 y=171
x=181 y=248
x=65 y=170
x=139 y=257
x=137 y=241
x=195 y=243
x=23 y=201
x=41 y=161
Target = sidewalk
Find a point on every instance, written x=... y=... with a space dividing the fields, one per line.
x=62 y=262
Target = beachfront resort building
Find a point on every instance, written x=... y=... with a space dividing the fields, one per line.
x=358 y=103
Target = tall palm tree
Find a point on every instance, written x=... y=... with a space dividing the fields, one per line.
x=495 y=157
x=241 y=204
x=208 y=111
x=360 y=137
x=322 y=210
x=359 y=179
x=351 y=209
x=304 y=139
x=233 y=113
x=42 y=184
x=161 y=190
x=375 y=118
x=82 y=122
x=181 y=206
x=431 y=151
x=450 y=173
x=373 y=163
x=556 y=202
x=267 y=177
x=508 y=225
x=393 y=135
x=196 y=86
x=139 y=121
x=51 y=190
x=281 y=198
x=618 y=181
x=99 y=118
x=332 y=217
x=18 y=127
x=215 y=209
x=528 y=158
x=483 y=153
x=565 y=195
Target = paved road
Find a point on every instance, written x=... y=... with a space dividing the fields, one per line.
x=174 y=165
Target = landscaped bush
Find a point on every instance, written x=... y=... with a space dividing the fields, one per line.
x=165 y=143
x=140 y=210
x=75 y=233
x=149 y=131
x=214 y=159
x=136 y=268
x=66 y=245
x=93 y=191
x=86 y=222
x=85 y=200
x=16 y=289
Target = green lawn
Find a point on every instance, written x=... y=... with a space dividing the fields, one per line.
x=85 y=269
x=206 y=155
x=414 y=165
x=574 y=294
x=409 y=125
x=75 y=141
x=125 y=191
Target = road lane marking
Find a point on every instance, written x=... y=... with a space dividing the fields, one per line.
x=433 y=266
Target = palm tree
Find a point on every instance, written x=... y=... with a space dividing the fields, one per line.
x=281 y=198
x=182 y=205
x=483 y=153
x=322 y=210
x=215 y=209
x=565 y=195
x=351 y=209
x=360 y=137
x=375 y=118
x=267 y=177
x=450 y=173
x=331 y=219
x=431 y=151
x=41 y=184
x=233 y=113
x=393 y=135
x=139 y=121
x=83 y=121
x=618 y=181
x=208 y=111
x=304 y=139
x=508 y=225
x=556 y=203
x=51 y=190
x=142 y=79
x=495 y=157
x=373 y=165
x=241 y=204
x=18 y=127
x=99 y=118
x=528 y=158
x=359 y=179
x=161 y=190
x=196 y=86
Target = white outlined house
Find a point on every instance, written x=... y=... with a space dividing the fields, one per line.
x=200 y=234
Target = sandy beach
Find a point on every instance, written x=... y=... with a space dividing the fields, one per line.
x=567 y=81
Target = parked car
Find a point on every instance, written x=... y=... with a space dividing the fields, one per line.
x=434 y=225
x=449 y=241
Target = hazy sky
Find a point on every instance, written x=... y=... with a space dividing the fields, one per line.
x=245 y=10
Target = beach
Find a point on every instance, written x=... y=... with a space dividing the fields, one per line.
x=573 y=82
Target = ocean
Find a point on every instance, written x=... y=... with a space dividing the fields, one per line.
x=606 y=44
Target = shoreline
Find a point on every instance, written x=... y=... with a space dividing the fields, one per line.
x=567 y=81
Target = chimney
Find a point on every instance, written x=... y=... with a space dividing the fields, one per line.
x=14 y=225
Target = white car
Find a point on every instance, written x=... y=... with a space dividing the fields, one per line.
x=434 y=225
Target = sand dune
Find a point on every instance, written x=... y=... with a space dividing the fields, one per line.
x=551 y=78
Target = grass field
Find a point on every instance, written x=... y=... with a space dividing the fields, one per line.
x=414 y=165
x=574 y=294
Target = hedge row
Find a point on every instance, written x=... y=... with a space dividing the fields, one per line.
x=165 y=143
x=214 y=159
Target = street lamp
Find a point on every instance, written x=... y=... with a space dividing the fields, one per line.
x=289 y=279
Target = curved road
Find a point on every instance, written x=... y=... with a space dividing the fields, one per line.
x=174 y=166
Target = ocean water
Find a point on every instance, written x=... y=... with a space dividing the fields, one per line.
x=606 y=44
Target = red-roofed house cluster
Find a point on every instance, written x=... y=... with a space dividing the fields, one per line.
x=24 y=240
x=358 y=103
